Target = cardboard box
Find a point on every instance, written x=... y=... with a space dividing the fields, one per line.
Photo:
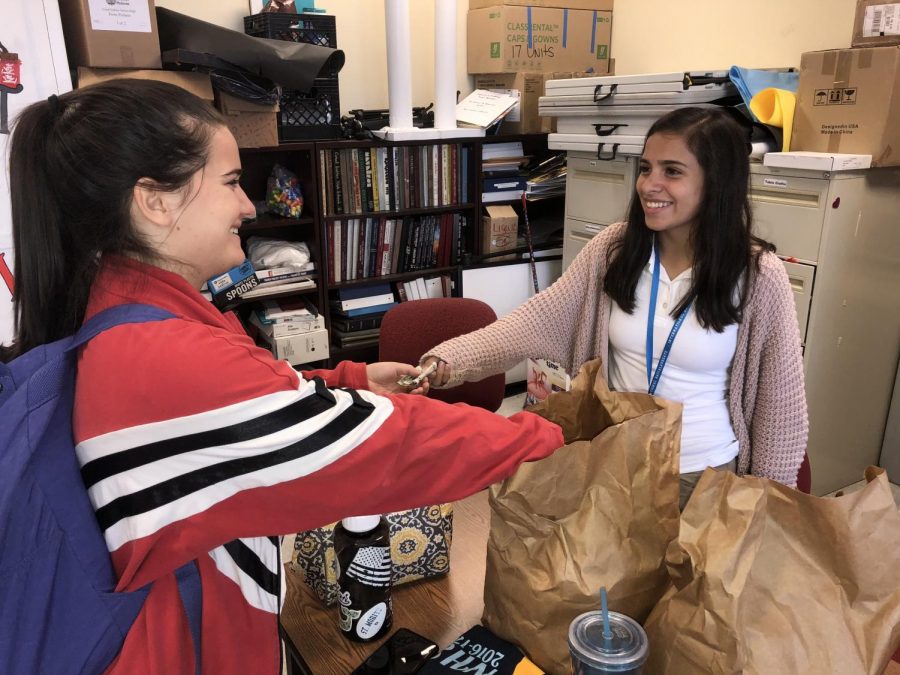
x=528 y=88
x=302 y=348
x=606 y=5
x=110 y=33
x=848 y=101
x=500 y=230
x=196 y=83
x=253 y=125
x=877 y=23
x=504 y=40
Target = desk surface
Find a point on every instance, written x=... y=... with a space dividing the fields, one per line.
x=440 y=609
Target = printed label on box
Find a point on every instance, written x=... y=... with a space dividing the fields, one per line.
x=840 y=96
x=881 y=20
x=132 y=16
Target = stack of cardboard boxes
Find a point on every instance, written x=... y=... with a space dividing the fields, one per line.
x=848 y=100
x=112 y=40
x=514 y=46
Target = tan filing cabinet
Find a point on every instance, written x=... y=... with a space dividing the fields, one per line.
x=597 y=194
x=839 y=235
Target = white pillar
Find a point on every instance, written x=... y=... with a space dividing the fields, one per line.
x=396 y=16
x=445 y=64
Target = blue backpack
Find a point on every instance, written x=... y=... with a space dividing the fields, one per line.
x=58 y=609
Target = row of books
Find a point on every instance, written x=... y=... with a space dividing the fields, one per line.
x=357 y=312
x=360 y=248
x=358 y=180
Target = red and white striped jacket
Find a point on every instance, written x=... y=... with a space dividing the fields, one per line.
x=195 y=444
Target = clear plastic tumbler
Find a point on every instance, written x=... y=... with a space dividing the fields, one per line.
x=594 y=654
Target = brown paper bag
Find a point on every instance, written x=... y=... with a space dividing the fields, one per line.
x=599 y=512
x=770 y=580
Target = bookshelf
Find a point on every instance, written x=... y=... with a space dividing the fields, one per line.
x=352 y=189
x=392 y=213
x=257 y=164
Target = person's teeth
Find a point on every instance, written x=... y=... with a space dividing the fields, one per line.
x=234 y=230
x=657 y=205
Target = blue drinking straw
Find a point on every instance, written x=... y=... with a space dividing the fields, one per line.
x=607 y=633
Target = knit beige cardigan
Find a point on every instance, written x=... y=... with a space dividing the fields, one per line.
x=569 y=323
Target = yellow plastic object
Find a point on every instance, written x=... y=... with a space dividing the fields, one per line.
x=776 y=107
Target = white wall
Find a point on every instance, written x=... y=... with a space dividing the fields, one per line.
x=648 y=36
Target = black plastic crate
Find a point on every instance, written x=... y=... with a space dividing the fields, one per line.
x=310 y=115
x=314 y=29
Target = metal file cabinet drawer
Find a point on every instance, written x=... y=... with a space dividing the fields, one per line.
x=789 y=212
x=578 y=234
x=598 y=191
x=801 y=277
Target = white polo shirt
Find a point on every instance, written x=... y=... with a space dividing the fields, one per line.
x=696 y=373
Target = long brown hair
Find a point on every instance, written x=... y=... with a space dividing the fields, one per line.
x=74 y=161
x=722 y=241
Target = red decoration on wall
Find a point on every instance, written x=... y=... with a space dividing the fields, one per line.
x=10 y=70
x=6 y=273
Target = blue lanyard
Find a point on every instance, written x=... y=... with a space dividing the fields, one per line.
x=653 y=377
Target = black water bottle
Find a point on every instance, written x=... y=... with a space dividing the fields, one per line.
x=363 y=550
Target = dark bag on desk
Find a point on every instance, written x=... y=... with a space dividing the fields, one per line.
x=770 y=580
x=599 y=512
x=420 y=548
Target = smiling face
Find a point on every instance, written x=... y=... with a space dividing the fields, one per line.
x=669 y=185
x=204 y=237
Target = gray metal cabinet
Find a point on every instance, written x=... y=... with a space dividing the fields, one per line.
x=839 y=236
x=597 y=195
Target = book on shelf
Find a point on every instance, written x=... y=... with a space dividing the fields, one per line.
x=502 y=149
x=363 y=248
x=364 y=311
x=369 y=290
x=281 y=275
x=279 y=329
x=504 y=196
x=504 y=184
x=358 y=300
x=349 y=325
x=262 y=290
x=354 y=338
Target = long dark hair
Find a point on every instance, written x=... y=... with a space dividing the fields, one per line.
x=723 y=245
x=74 y=161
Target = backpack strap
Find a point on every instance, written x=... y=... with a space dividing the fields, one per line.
x=187 y=576
x=116 y=316
x=191 y=591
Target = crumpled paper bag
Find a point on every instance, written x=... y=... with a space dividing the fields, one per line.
x=599 y=512
x=770 y=580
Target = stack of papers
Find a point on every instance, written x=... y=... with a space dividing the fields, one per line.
x=547 y=179
x=482 y=108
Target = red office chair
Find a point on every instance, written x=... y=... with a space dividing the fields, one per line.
x=412 y=328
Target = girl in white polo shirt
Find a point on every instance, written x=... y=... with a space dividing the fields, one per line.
x=682 y=301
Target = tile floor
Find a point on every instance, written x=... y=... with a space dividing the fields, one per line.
x=513 y=404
